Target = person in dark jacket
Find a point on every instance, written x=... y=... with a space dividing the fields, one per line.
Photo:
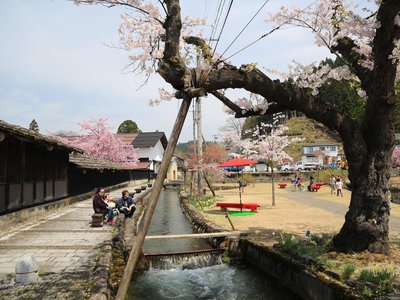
x=126 y=204
x=100 y=206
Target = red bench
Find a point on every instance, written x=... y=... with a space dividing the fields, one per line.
x=315 y=188
x=320 y=184
x=251 y=206
x=282 y=185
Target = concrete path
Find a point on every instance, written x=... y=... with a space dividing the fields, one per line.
x=314 y=200
x=64 y=241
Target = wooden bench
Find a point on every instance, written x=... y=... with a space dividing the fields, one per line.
x=282 y=185
x=224 y=206
x=97 y=220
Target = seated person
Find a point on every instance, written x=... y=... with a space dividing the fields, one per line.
x=126 y=204
x=99 y=206
x=107 y=200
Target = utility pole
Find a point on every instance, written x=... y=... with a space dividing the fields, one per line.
x=193 y=173
x=199 y=147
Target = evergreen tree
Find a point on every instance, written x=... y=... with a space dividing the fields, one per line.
x=128 y=126
x=34 y=126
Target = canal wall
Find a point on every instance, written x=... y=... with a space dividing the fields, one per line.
x=111 y=268
x=294 y=274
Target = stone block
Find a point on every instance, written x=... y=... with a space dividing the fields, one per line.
x=97 y=220
x=26 y=270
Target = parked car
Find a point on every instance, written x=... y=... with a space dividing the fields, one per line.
x=300 y=166
x=286 y=167
x=233 y=169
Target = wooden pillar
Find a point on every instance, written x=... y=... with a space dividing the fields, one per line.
x=155 y=193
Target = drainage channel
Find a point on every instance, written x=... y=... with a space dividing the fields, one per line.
x=189 y=268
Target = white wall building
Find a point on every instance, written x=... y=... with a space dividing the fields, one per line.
x=150 y=147
x=321 y=153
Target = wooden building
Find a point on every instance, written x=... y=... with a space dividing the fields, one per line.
x=86 y=173
x=33 y=168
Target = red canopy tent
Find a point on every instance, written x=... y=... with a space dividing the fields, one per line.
x=238 y=162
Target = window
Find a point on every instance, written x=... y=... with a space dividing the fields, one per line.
x=312 y=159
x=333 y=148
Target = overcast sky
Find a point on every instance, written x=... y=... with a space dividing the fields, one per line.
x=55 y=65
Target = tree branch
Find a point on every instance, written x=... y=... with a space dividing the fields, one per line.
x=346 y=47
x=272 y=108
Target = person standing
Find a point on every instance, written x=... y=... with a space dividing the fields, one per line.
x=332 y=184
x=339 y=187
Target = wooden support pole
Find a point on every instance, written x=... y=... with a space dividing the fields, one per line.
x=230 y=221
x=155 y=193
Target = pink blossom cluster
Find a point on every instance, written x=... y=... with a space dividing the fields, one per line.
x=253 y=102
x=264 y=146
x=164 y=96
x=396 y=156
x=98 y=141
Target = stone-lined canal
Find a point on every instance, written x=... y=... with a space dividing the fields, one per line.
x=181 y=280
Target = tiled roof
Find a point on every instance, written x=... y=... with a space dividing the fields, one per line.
x=127 y=138
x=149 y=139
x=9 y=129
x=142 y=165
x=88 y=162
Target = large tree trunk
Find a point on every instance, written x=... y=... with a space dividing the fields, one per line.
x=366 y=224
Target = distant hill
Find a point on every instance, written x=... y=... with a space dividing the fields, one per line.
x=309 y=130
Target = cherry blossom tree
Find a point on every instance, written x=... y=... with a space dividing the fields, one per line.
x=97 y=140
x=366 y=40
x=396 y=156
x=213 y=155
x=267 y=143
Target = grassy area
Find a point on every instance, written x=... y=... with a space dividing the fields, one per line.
x=372 y=275
x=310 y=131
x=207 y=201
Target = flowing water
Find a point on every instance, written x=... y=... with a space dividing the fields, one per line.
x=193 y=276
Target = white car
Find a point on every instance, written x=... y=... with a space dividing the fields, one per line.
x=286 y=167
x=300 y=166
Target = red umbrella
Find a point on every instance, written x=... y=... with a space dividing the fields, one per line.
x=238 y=162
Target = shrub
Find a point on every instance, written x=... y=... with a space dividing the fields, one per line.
x=248 y=178
x=288 y=242
x=206 y=201
x=225 y=257
x=382 y=278
x=348 y=270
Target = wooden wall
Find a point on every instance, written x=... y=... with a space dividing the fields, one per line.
x=30 y=174
x=87 y=180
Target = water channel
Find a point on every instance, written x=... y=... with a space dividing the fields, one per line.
x=189 y=278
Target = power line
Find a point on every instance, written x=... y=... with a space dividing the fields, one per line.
x=223 y=26
x=216 y=19
x=269 y=32
x=248 y=23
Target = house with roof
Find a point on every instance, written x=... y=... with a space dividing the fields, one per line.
x=150 y=147
x=33 y=168
x=177 y=169
x=322 y=153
